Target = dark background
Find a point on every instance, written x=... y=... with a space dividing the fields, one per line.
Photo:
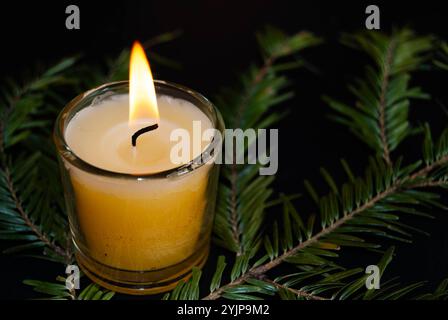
x=218 y=42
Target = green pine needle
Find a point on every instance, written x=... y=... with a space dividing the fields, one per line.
x=379 y=116
x=363 y=213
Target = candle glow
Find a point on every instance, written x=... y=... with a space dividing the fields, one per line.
x=136 y=233
x=143 y=108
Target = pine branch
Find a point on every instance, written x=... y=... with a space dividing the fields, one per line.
x=26 y=214
x=40 y=214
x=442 y=56
x=95 y=292
x=399 y=183
x=383 y=99
x=362 y=205
x=186 y=290
x=21 y=102
x=27 y=159
x=59 y=290
x=380 y=115
x=332 y=281
x=243 y=195
x=295 y=292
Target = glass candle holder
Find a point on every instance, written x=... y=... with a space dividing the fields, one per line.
x=139 y=234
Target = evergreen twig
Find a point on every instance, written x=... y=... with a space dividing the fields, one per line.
x=400 y=185
x=369 y=205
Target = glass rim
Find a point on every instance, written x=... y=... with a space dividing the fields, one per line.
x=68 y=154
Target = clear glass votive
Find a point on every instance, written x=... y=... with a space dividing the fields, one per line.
x=139 y=233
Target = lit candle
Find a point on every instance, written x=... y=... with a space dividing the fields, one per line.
x=135 y=231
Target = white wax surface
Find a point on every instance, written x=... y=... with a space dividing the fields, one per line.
x=100 y=135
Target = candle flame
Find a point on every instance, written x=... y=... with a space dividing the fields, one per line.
x=142 y=95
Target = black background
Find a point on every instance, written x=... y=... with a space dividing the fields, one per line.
x=218 y=42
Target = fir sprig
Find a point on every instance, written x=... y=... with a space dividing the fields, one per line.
x=361 y=213
x=369 y=205
x=35 y=216
x=442 y=56
x=29 y=214
x=243 y=194
x=59 y=291
x=380 y=118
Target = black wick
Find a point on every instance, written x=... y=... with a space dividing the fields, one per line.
x=142 y=131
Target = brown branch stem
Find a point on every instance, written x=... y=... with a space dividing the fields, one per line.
x=424 y=171
x=234 y=221
x=35 y=229
x=234 y=206
x=65 y=253
x=383 y=101
x=299 y=293
x=258 y=272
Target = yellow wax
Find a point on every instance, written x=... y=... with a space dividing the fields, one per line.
x=136 y=224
